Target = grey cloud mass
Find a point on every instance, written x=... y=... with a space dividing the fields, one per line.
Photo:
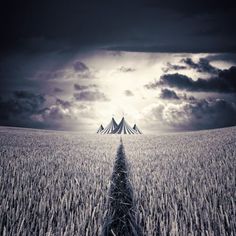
x=79 y=87
x=170 y=67
x=90 y=96
x=168 y=94
x=196 y=114
x=203 y=65
x=18 y=109
x=26 y=109
x=224 y=82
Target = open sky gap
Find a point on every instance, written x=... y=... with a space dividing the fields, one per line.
x=120 y=218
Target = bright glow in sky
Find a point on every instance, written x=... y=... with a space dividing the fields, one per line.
x=121 y=78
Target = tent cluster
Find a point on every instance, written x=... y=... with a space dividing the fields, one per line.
x=122 y=128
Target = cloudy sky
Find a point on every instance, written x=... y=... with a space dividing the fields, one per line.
x=72 y=65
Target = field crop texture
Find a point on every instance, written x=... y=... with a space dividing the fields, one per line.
x=52 y=183
x=185 y=183
x=60 y=183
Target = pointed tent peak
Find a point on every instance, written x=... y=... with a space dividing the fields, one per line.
x=137 y=129
x=113 y=120
x=122 y=120
x=110 y=127
x=101 y=128
x=124 y=128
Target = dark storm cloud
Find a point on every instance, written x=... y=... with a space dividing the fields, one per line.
x=79 y=87
x=203 y=65
x=229 y=57
x=60 y=114
x=32 y=71
x=26 y=109
x=128 y=93
x=205 y=114
x=173 y=80
x=18 y=109
x=168 y=94
x=225 y=82
x=121 y=25
x=170 y=66
x=196 y=114
x=126 y=69
x=90 y=96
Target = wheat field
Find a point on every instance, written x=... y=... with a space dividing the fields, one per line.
x=57 y=183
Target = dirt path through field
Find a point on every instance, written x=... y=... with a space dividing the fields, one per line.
x=120 y=217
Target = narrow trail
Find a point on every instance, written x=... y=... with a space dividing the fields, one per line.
x=120 y=218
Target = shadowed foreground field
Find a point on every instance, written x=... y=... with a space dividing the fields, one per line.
x=58 y=183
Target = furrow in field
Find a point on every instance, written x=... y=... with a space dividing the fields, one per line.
x=120 y=217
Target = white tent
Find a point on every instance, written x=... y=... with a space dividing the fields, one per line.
x=124 y=128
x=137 y=129
x=100 y=129
x=110 y=127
